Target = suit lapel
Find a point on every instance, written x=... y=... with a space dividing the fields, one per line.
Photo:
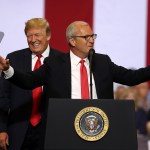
x=27 y=66
x=96 y=75
x=51 y=52
x=67 y=72
x=27 y=63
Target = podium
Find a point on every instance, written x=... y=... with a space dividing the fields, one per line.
x=66 y=118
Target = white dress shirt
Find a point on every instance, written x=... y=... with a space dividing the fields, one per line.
x=44 y=55
x=75 y=77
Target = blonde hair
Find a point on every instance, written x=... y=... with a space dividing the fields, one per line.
x=36 y=23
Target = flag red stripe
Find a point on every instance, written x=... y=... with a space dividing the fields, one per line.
x=60 y=13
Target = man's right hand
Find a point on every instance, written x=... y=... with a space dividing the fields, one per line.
x=4 y=64
x=3 y=140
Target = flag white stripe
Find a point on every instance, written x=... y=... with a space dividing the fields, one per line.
x=121 y=28
x=13 y=15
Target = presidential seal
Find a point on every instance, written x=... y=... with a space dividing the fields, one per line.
x=91 y=124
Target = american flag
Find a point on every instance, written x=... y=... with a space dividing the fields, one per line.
x=122 y=26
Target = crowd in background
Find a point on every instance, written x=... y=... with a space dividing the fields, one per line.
x=141 y=96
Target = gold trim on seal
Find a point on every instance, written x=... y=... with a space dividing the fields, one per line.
x=102 y=124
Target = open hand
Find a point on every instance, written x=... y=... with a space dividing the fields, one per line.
x=3 y=140
x=4 y=64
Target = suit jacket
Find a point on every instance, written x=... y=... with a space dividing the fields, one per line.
x=16 y=103
x=55 y=75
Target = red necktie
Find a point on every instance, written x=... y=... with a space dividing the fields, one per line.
x=84 y=81
x=36 y=99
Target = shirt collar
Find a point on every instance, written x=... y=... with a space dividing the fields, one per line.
x=44 y=54
x=76 y=60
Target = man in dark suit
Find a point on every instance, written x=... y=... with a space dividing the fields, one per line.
x=60 y=75
x=16 y=103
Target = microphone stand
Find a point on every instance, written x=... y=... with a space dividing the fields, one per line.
x=91 y=84
x=91 y=53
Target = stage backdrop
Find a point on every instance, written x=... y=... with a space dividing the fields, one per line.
x=122 y=26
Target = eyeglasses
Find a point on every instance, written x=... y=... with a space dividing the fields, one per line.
x=87 y=37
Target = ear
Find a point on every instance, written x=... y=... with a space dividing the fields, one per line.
x=48 y=37
x=72 y=42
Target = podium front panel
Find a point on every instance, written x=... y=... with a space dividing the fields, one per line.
x=61 y=133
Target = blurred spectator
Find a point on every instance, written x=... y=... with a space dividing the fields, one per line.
x=139 y=95
x=130 y=94
x=143 y=90
x=148 y=127
x=143 y=112
x=119 y=91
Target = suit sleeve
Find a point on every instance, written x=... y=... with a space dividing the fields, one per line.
x=32 y=79
x=130 y=77
x=5 y=89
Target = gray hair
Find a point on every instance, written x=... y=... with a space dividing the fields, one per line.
x=72 y=29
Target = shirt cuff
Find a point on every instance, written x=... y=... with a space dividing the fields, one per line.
x=8 y=73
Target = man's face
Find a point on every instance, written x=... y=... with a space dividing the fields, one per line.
x=37 y=40
x=82 y=45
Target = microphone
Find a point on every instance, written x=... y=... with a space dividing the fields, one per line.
x=91 y=51
x=90 y=57
x=1 y=36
